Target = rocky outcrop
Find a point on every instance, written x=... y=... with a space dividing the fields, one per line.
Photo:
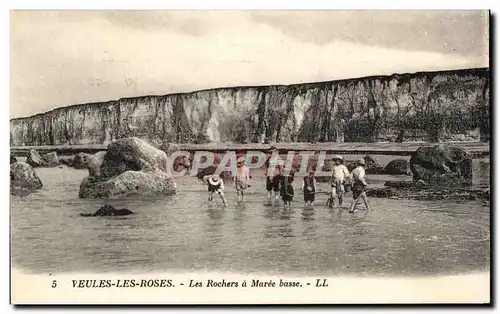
x=35 y=159
x=23 y=178
x=397 y=166
x=130 y=167
x=442 y=165
x=422 y=193
x=50 y=159
x=378 y=108
x=108 y=210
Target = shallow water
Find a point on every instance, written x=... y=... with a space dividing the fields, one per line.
x=184 y=233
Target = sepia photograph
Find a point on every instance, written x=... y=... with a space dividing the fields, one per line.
x=250 y=157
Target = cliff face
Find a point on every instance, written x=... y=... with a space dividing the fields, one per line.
x=430 y=105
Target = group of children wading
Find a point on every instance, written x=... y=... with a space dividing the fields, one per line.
x=280 y=184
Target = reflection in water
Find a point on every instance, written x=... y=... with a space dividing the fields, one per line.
x=308 y=214
x=214 y=225
x=183 y=232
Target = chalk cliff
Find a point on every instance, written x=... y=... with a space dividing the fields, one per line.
x=425 y=105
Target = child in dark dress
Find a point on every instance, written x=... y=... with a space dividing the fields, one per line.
x=287 y=192
x=309 y=189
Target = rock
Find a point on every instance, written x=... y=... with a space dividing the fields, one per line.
x=13 y=159
x=372 y=166
x=132 y=154
x=129 y=167
x=51 y=159
x=94 y=163
x=23 y=177
x=442 y=165
x=397 y=166
x=371 y=162
x=129 y=183
x=66 y=160
x=382 y=193
x=108 y=210
x=80 y=161
x=169 y=148
x=427 y=193
x=405 y=184
x=34 y=159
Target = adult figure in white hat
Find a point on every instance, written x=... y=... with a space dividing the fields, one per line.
x=340 y=174
x=242 y=178
x=359 y=185
x=215 y=185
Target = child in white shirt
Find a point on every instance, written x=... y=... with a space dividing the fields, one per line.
x=359 y=186
x=242 y=178
x=340 y=173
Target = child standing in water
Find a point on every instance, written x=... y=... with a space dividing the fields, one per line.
x=215 y=185
x=242 y=178
x=287 y=192
x=273 y=176
x=339 y=174
x=359 y=186
x=309 y=189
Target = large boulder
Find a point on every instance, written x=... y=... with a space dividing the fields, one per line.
x=442 y=165
x=80 y=161
x=51 y=159
x=397 y=166
x=129 y=167
x=35 y=159
x=23 y=177
x=129 y=183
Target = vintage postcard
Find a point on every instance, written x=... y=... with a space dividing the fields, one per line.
x=250 y=157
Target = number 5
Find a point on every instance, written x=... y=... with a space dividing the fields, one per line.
x=54 y=283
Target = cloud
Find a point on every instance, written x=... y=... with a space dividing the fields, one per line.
x=183 y=22
x=455 y=32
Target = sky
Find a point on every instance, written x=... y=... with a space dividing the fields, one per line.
x=60 y=58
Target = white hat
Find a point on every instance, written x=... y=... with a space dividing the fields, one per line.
x=215 y=179
x=361 y=162
x=337 y=157
x=241 y=159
